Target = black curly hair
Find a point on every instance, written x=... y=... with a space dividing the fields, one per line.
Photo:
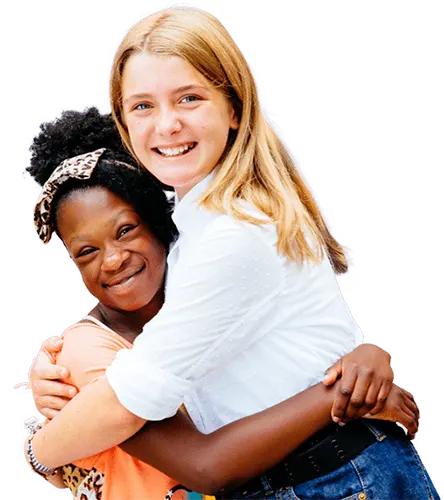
x=79 y=132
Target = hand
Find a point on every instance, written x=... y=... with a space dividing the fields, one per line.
x=366 y=378
x=400 y=407
x=49 y=392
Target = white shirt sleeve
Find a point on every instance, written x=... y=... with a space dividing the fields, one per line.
x=220 y=299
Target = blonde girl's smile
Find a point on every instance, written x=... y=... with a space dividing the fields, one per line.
x=173 y=151
x=178 y=122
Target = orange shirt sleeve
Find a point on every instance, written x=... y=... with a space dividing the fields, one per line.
x=87 y=351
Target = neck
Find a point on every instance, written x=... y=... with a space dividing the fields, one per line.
x=128 y=324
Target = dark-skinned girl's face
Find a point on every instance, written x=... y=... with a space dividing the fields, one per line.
x=121 y=262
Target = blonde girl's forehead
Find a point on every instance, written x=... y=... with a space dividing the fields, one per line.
x=145 y=73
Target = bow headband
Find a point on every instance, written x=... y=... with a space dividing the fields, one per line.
x=79 y=167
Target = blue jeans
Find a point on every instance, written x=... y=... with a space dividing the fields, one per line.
x=389 y=469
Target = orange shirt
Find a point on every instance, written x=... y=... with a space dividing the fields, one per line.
x=87 y=351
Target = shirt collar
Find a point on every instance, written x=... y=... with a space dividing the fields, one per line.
x=188 y=216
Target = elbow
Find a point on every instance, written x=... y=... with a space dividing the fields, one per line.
x=206 y=482
x=210 y=477
x=126 y=421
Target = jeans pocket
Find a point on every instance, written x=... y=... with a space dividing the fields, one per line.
x=362 y=495
x=340 y=484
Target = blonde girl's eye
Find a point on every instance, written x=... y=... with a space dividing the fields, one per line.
x=142 y=106
x=190 y=98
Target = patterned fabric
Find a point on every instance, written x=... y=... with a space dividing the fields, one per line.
x=79 y=167
x=84 y=484
x=178 y=487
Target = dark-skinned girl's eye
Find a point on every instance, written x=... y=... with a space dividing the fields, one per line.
x=125 y=230
x=86 y=251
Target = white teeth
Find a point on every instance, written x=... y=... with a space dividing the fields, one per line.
x=175 y=151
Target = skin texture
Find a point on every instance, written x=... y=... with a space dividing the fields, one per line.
x=122 y=264
x=363 y=390
x=168 y=103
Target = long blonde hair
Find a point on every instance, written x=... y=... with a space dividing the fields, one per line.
x=256 y=166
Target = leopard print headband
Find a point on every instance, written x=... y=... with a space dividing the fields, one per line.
x=79 y=167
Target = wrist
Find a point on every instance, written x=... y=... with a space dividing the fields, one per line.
x=326 y=397
x=377 y=348
x=33 y=427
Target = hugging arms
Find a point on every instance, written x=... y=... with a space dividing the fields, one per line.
x=233 y=454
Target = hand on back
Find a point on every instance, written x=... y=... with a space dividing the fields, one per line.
x=49 y=390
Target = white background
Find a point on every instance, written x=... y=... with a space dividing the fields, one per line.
x=49 y=53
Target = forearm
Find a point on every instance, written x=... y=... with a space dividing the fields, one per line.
x=237 y=452
x=90 y=423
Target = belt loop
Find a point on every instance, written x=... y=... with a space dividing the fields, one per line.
x=380 y=436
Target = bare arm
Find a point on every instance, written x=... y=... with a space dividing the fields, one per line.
x=87 y=351
x=207 y=463
x=232 y=454
x=248 y=447
x=63 y=439
x=237 y=452
x=90 y=423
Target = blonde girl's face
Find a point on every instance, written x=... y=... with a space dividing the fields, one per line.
x=177 y=122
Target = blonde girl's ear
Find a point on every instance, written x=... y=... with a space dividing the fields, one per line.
x=234 y=121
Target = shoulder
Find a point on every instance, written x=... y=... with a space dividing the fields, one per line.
x=88 y=335
x=87 y=350
x=255 y=228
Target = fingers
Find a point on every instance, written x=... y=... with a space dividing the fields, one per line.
x=343 y=393
x=399 y=407
x=358 y=399
x=51 y=395
x=382 y=396
x=48 y=413
x=411 y=405
x=333 y=373
x=410 y=422
x=44 y=368
x=50 y=388
x=53 y=345
x=54 y=403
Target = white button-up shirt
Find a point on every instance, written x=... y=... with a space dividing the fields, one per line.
x=242 y=327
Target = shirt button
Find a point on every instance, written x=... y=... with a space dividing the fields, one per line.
x=362 y=496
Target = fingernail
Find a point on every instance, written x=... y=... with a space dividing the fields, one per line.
x=341 y=424
x=72 y=392
x=335 y=419
x=64 y=373
x=367 y=415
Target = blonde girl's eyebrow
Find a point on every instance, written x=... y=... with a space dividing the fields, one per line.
x=186 y=88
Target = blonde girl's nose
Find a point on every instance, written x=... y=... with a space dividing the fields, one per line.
x=168 y=122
